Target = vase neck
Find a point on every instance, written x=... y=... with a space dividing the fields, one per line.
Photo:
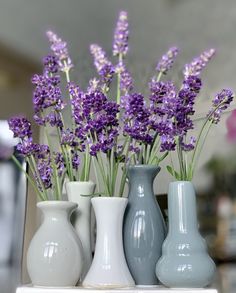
x=108 y=208
x=141 y=179
x=56 y=210
x=182 y=207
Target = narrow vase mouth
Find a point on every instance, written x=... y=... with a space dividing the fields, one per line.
x=109 y=198
x=57 y=204
x=179 y=182
x=144 y=166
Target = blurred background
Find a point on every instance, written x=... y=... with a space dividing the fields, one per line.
x=155 y=25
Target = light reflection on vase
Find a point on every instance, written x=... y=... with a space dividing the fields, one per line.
x=54 y=257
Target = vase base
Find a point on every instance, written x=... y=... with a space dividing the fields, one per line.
x=136 y=289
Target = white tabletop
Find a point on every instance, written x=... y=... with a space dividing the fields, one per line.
x=137 y=289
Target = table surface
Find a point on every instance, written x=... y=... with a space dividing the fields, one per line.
x=137 y=289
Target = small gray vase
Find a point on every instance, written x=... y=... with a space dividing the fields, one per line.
x=54 y=257
x=144 y=227
x=185 y=262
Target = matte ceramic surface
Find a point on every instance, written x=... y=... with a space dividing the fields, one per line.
x=54 y=257
x=185 y=262
x=109 y=268
x=144 y=227
x=81 y=217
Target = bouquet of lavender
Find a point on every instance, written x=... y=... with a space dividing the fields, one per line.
x=49 y=167
x=112 y=133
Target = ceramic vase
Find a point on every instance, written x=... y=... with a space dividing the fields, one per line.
x=54 y=257
x=81 y=217
x=144 y=227
x=185 y=262
x=109 y=268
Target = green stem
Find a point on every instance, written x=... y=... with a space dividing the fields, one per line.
x=124 y=171
x=41 y=196
x=54 y=168
x=198 y=148
x=34 y=168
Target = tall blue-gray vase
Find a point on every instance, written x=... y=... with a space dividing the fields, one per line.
x=144 y=227
x=185 y=262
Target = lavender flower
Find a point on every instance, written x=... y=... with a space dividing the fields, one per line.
x=198 y=63
x=68 y=138
x=136 y=118
x=47 y=93
x=126 y=82
x=121 y=35
x=26 y=147
x=60 y=163
x=93 y=85
x=187 y=147
x=167 y=60
x=167 y=143
x=20 y=127
x=193 y=83
x=45 y=172
x=75 y=161
x=59 y=48
x=163 y=98
x=104 y=67
x=50 y=64
x=220 y=103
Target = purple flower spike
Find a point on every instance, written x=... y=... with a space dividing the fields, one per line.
x=126 y=81
x=121 y=35
x=104 y=67
x=167 y=60
x=198 y=63
x=50 y=64
x=187 y=147
x=220 y=103
x=20 y=127
x=59 y=48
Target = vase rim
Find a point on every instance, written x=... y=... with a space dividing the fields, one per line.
x=146 y=166
x=57 y=203
x=89 y=182
x=181 y=182
x=109 y=198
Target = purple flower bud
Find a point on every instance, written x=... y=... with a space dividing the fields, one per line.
x=198 y=63
x=220 y=103
x=126 y=82
x=20 y=127
x=121 y=35
x=104 y=67
x=59 y=48
x=167 y=60
x=50 y=64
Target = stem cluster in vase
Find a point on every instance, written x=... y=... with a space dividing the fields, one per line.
x=110 y=131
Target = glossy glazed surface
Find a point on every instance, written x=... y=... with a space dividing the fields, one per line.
x=144 y=228
x=109 y=268
x=185 y=262
x=54 y=257
x=81 y=217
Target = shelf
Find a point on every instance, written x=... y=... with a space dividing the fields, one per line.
x=137 y=289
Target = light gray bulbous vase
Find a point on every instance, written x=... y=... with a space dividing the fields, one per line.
x=144 y=227
x=54 y=257
x=185 y=262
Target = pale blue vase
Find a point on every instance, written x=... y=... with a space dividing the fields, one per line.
x=185 y=262
x=144 y=227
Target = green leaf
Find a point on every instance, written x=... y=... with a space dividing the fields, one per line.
x=175 y=174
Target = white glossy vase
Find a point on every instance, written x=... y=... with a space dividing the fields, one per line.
x=81 y=218
x=109 y=268
x=54 y=257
